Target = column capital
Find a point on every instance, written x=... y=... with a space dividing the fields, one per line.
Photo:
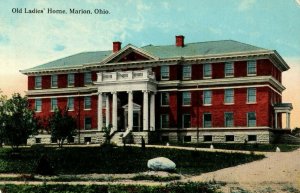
x=114 y=92
x=146 y=91
x=130 y=91
x=98 y=93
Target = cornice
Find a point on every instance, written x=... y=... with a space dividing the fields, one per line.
x=53 y=91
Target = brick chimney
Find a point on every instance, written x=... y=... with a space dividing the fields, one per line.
x=180 y=41
x=116 y=46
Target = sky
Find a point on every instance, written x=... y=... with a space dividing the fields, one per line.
x=27 y=40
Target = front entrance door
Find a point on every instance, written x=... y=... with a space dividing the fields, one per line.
x=136 y=117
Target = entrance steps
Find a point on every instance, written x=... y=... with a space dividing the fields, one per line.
x=289 y=139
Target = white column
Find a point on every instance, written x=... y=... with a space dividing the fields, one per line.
x=107 y=112
x=130 y=110
x=152 y=112
x=100 y=116
x=276 y=120
x=288 y=117
x=115 y=111
x=146 y=112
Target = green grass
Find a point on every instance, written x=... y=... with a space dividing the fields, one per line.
x=85 y=160
x=244 y=147
x=156 y=178
x=171 y=188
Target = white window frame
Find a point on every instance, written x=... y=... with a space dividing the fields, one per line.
x=226 y=96
x=71 y=80
x=36 y=105
x=86 y=99
x=165 y=72
x=183 y=119
x=229 y=74
x=186 y=72
x=38 y=84
x=53 y=106
x=204 y=97
x=161 y=121
x=186 y=99
x=250 y=67
x=70 y=107
x=53 y=77
x=87 y=117
x=248 y=125
x=248 y=95
x=88 y=78
x=207 y=68
x=204 y=126
x=161 y=98
x=225 y=120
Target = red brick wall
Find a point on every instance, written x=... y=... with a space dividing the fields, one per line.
x=46 y=82
x=197 y=72
x=31 y=82
x=218 y=70
x=62 y=80
x=240 y=68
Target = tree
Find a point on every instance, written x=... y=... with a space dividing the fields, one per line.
x=3 y=100
x=18 y=121
x=62 y=126
x=107 y=135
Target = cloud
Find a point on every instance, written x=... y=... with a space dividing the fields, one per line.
x=246 y=4
x=59 y=47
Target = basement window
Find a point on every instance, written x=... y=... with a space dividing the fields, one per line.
x=252 y=137
x=37 y=140
x=187 y=139
x=229 y=138
x=87 y=139
x=207 y=138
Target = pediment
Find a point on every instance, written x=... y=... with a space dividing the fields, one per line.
x=135 y=107
x=128 y=54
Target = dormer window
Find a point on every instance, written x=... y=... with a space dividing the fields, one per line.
x=164 y=72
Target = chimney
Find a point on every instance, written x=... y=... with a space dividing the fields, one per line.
x=180 y=41
x=116 y=46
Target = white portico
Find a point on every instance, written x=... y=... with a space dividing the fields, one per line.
x=129 y=82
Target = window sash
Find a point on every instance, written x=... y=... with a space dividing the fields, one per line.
x=38 y=82
x=87 y=78
x=53 y=104
x=71 y=81
x=207 y=70
x=229 y=96
x=229 y=71
x=251 y=119
x=186 y=98
x=70 y=103
x=54 y=81
x=164 y=99
x=251 y=67
x=251 y=95
x=164 y=121
x=186 y=121
x=186 y=72
x=207 y=97
x=87 y=102
x=38 y=105
x=88 y=123
x=164 y=72
x=228 y=119
x=207 y=120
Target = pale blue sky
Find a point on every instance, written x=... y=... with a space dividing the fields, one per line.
x=27 y=40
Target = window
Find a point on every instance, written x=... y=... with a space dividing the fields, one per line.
x=186 y=72
x=71 y=80
x=87 y=123
x=164 y=72
x=207 y=138
x=207 y=120
x=251 y=117
x=165 y=139
x=37 y=140
x=229 y=137
x=70 y=139
x=186 y=98
x=186 y=120
x=87 y=139
x=164 y=99
x=38 y=105
x=70 y=103
x=207 y=72
x=38 y=82
x=164 y=120
x=187 y=138
x=87 y=102
x=54 y=81
x=252 y=137
x=229 y=70
x=229 y=96
x=207 y=97
x=228 y=119
x=87 y=78
x=53 y=104
x=251 y=95
x=251 y=67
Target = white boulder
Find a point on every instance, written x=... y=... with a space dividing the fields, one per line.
x=161 y=164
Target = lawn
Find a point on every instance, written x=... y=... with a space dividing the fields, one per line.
x=244 y=147
x=84 y=160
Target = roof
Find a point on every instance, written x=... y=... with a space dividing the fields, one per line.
x=284 y=105
x=162 y=52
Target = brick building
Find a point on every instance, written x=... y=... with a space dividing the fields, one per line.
x=217 y=91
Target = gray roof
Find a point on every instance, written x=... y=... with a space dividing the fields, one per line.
x=162 y=52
